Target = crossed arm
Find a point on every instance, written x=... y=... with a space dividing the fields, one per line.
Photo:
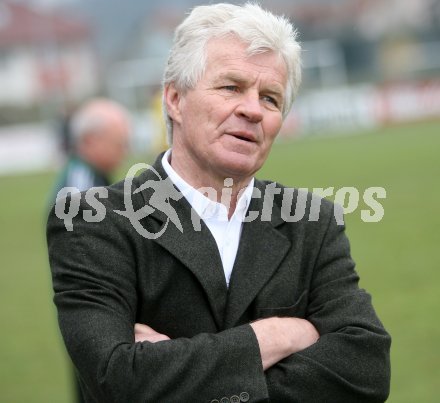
x=277 y=338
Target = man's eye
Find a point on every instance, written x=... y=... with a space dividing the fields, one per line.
x=271 y=100
x=232 y=88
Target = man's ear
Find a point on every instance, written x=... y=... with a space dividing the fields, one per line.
x=173 y=99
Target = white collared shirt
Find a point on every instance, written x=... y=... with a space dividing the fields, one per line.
x=215 y=215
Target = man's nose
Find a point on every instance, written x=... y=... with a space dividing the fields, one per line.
x=250 y=107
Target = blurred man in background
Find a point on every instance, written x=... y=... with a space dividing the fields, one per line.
x=97 y=144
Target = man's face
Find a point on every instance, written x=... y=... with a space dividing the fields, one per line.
x=115 y=146
x=107 y=149
x=226 y=125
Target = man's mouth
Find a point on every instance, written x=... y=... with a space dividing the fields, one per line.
x=249 y=137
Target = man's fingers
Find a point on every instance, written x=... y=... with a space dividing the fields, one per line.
x=141 y=328
x=146 y=333
x=154 y=338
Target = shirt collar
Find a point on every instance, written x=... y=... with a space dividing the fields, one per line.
x=206 y=208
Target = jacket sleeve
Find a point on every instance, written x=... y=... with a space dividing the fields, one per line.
x=350 y=362
x=94 y=279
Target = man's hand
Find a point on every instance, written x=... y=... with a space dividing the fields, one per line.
x=280 y=337
x=146 y=333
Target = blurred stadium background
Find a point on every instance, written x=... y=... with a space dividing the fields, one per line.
x=368 y=114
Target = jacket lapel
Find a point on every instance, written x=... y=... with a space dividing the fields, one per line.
x=195 y=249
x=262 y=248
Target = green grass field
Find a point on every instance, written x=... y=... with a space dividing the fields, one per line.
x=397 y=258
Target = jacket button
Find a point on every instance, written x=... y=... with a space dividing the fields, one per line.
x=235 y=399
x=244 y=396
x=215 y=401
x=224 y=400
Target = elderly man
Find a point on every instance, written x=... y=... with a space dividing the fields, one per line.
x=231 y=300
x=100 y=134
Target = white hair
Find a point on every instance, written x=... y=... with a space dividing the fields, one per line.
x=260 y=29
x=94 y=117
